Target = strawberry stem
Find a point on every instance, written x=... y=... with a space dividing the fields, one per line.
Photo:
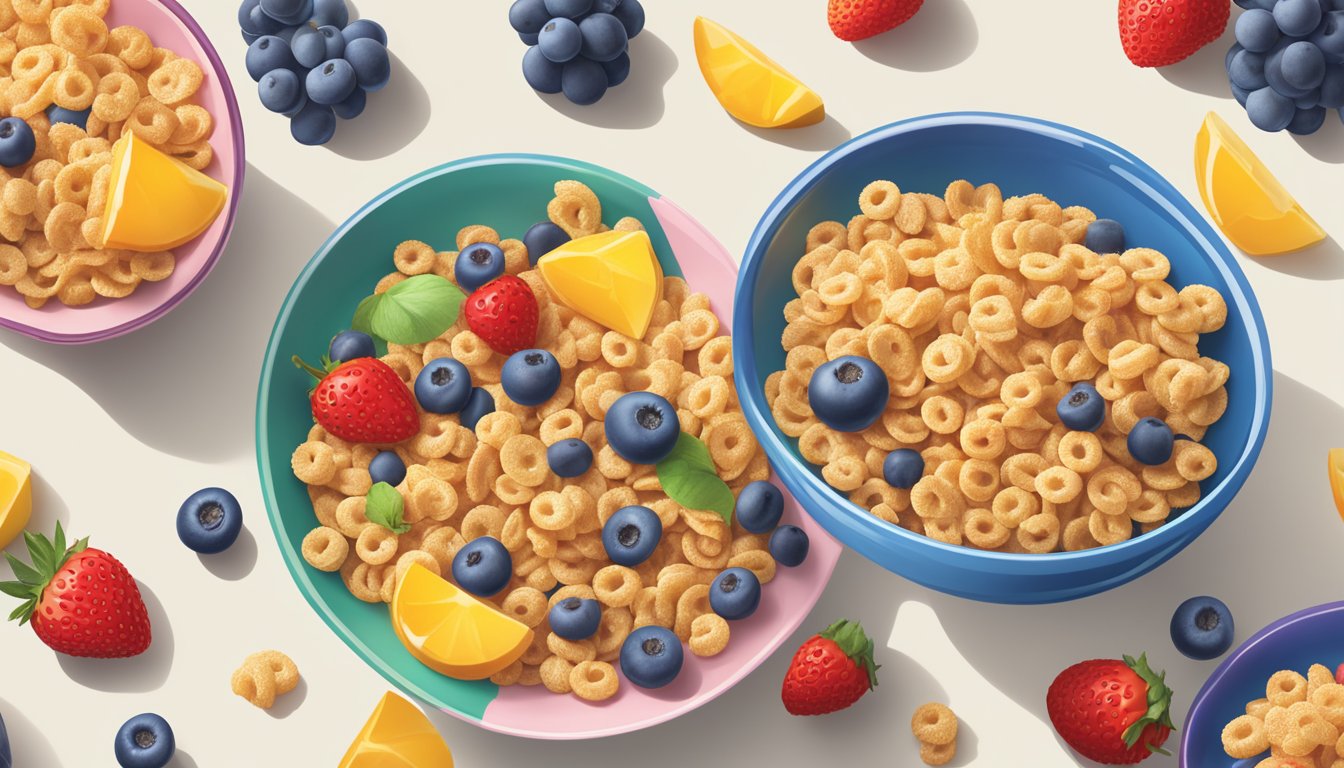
x=311 y=371
x=1159 y=702
x=47 y=557
x=850 y=638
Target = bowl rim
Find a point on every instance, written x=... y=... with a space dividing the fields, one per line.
x=235 y=195
x=1225 y=668
x=1197 y=227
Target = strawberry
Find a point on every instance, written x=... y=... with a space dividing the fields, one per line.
x=1156 y=33
x=831 y=671
x=81 y=601
x=362 y=401
x=1114 y=712
x=859 y=19
x=503 y=312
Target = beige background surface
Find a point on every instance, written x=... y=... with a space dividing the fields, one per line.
x=120 y=433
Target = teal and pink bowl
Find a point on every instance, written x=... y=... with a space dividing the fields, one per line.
x=1021 y=155
x=509 y=193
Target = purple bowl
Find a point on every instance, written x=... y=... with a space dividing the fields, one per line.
x=1311 y=636
x=170 y=26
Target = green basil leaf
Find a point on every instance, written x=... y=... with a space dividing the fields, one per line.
x=363 y=321
x=384 y=506
x=414 y=311
x=689 y=477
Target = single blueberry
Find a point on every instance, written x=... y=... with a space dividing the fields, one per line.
x=209 y=521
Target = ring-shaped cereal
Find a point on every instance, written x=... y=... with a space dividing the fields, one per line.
x=523 y=458
x=1109 y=529
x=73 y=89
x=935 y=724
x=1058 y=485
x=1039 y=533
x=616 y=585
x=313 y=463
x=1194 y=461
x=933 y=498
x=325 y=549
x=130 y=44
x=376 y=545
x=152 y=121
x=942 y=414
x=264 y=676
x=483 y=520
x=32 y=65
x=551 y=512
x=79 y=30
x=1145 y=265
x=1285 y=688
x=946 y=358
x=1080 y=451
x=984 y=531
x=880 y=200
x=594 y=680
x=175 y=81
x=117 y=97
x=1245 y=737
x=983 y=439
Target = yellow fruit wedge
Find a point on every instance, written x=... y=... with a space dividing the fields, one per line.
x=1335 y=462
x=611 y=278
x=16 y=497
x=750 y=85
x=156 y=202
x=398 y=735
x=1244 y=199
x=452 y=632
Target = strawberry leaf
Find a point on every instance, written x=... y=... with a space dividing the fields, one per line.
x=25 y=572
x=16 y=589
x=689 y=477
x=384 y=506
x=1159 y=702
x=855 y=643
x=414 y=311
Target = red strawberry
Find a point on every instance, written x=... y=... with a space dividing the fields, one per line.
x=1114 y=712
x=81 y=601
x=1156 y=33
x=363 y=401
x=859 y=19
x=503 y=312
x=1339 y=674
x=831 y=671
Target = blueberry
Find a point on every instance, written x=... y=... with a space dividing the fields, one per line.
x=651 y=657
x=584 y=82
x=631 y=14
x=605 y=6
x=530 y=377
x=353 y=106
x=631 y=534
x=245 y=16
x=1311 y=100
x=364 y=28
x=478 y=406
x=351 y=345
x=1240 y=94
x=1257 y=31
x=1297 y=18
x=575 y=618
x=618 y=69
x=604 y=37
x=542 y=238
x=262 y=24
x=789 y=545
x=1329 y=37
x=903 y=468
x=287 y=34
x=642 y=427
x=209 y=521
x=387 y=467
x=312 y=45
x=541 y=74
x=1269 y=110
x=313 y=124
x=248 y=38
x=1252 y=4
x=849 y=393
x=330 y=83
x=1248 y=71
x=373 y=67
x=281 y=91
x=559 y=40
x=331 y=13
x=1332 y=88
x=1303 y=65
x=288 y=11
x=144 y=741
x=569 y=458
x=333 y=41
x=267 y=54
x=1274 y=74
x=1202 y=628
x=57 y=114
x=735 y=594
x=1231 y=53
x=1105 y=236
x=443 y=386
x=478 y=264
x=1082 y=409
x=528 y=38
x=527 y=17
x=759 y=507
x=569 y=9
x=483 y=567
x=1150 y=441
x=1307 y=121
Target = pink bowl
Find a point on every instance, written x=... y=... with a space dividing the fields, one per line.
x=169 y=26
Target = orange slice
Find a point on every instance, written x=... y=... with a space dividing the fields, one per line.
x=157 y=202
x=611 y=278
x=750 y=85
x=398 y=735
x=1335 y=461
x=1244 y=199
x=452 y=632
x=16 y=497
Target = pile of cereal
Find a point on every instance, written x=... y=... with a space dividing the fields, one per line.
x=1298 y=722
x=69 y=88
x=990 y=318
x=935 y=727
x=461 y=484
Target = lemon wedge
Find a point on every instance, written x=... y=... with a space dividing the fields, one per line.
x=749 y=84
x=398 y=735
x=157 y=202
x=452 y=632
x=1244 y=199
x=16 y=497
x=611 y=278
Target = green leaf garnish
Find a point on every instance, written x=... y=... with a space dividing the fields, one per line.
x=384 y=506
x=413 y=311
x=47 y=558
x=689 y=477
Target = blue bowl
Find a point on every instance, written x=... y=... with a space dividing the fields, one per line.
x=1021 y=155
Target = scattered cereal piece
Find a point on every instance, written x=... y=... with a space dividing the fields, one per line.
x=935 y=724
x=264 y=676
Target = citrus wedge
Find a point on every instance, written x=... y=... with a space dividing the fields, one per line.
x=1335 y=461
x=611 y=278
x=156 y=202
x=398 y=735
x=750 y=85
x=452 y=632
x=1244 y=199
x=16 y=497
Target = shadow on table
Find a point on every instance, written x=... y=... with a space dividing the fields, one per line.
x=182 y=759
x=236 y=562
x=822 y=137
x=636 y=103
x=394 y=117
x=941 y=35
x=187 y=384
x=1323 y=261
x=1326 y=144
x=139 y=674
x=1204 y=72
x=26 y=742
